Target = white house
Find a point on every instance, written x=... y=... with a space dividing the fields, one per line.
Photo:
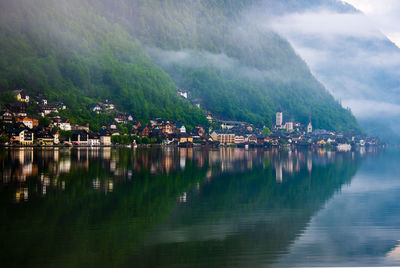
x=94 y=140
x=48 y=109
x=27 y=122
x=63 y=124
x=239 y=139
x=227 y=126
x=108 y=105
x=181 y=128
x=183 y=94
x=95 y=107
x=113 y=126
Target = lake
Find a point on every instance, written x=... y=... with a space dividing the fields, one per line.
x=194 y=207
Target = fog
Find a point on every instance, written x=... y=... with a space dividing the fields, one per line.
x=324 y=24
x=200 y=59
x=345 y=50
x=385 y=15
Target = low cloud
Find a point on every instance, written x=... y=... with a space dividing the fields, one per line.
x=201 y=59
x=384 y=13
x=369 y=108
x=326 y=24
x=348 y=54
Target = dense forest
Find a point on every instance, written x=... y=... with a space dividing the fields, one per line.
x=139 y=52
x=66 y=51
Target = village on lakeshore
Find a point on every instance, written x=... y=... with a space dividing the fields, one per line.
x=22 y=125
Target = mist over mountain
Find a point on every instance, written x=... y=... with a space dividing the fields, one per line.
x=344 y=49
x=139 y=52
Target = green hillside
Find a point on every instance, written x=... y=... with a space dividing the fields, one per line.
x=85 y=50
x=65 y=50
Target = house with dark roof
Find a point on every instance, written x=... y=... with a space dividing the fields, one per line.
x=120 y=118
x=105 y=137
x=143 y=131
x=80 y=137
x=45 y=138
x=17 y=108
x=94 y=139
x=21 y=95
x=48 y=109
x=198 y=132
x=61 y=105
x=63 y=124
x=108 y=105
x=6 y=116
x=41 y=99
x=180 y=127
x=21 y=136
x=95 y=107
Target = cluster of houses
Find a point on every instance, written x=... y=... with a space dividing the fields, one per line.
x=23 y=129
x=99 y=107
x=21 y=134
x=169 y=132
x=287 y=134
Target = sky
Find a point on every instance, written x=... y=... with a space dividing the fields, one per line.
x=384 y=13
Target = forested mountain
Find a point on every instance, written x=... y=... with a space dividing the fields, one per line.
x=68 y=51
x=83 y=50
x=347 y=53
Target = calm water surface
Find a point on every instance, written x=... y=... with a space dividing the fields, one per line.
x=171 y=207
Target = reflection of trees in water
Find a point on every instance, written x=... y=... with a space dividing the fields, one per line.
x=246 y=219
x=142 y=188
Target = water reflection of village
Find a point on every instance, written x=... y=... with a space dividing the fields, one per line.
x=32 y=173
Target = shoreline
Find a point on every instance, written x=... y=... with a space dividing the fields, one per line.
x=115 y=146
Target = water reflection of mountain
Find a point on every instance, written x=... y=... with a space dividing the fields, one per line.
x=163 y=206
x=248 y=219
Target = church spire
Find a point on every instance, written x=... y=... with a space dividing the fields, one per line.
x=309 y=126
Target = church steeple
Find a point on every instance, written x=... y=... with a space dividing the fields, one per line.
x=309 y=126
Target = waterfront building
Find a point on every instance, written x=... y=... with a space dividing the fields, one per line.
x=80 y=137
x=21 y=136
x=105 y=137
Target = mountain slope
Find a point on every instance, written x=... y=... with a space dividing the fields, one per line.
x=346 y=51
x=86 y=50
x=67 y=51
x=237 y=69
